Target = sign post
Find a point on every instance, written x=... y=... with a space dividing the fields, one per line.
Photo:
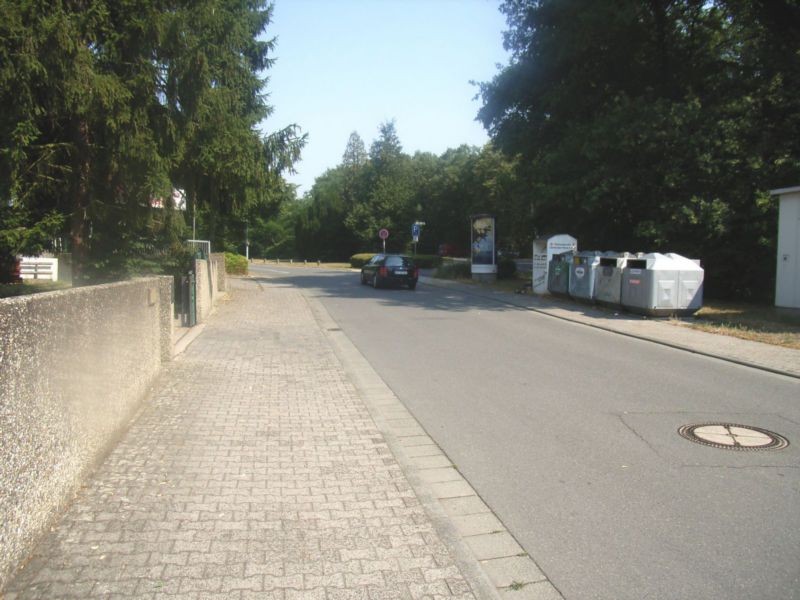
x=416 y=228
x=383 y=234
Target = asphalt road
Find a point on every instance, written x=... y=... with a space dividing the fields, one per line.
x=570 y=435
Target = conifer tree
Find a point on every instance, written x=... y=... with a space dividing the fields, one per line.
x=111 y=104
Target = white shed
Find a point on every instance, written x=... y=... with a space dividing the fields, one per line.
x=787 y=275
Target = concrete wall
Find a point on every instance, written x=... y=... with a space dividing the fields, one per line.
x=204 y=280
x=218 y=259
x=211 y=281
x=75 y=367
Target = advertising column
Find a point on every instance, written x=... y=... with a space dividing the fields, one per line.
x=482 y=244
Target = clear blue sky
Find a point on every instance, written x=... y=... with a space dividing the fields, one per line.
x=349 y=65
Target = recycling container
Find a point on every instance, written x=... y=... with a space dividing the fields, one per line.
x=608 y=278
x=581 y=275
x=543 y=251
x=690 y=283
x=558 y=273
x=662 y=285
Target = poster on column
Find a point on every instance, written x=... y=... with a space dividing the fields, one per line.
x=483 y=240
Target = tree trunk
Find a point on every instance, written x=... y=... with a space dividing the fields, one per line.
x=80 y=225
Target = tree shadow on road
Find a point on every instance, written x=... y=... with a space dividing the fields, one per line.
x=430 y=295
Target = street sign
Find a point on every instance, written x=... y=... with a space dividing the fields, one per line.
x=415 y=231
x=383 y=234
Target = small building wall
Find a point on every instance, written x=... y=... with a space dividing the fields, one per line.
x=787 y=273
x=75 y=367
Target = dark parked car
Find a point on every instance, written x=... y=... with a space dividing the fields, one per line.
x=390 y=269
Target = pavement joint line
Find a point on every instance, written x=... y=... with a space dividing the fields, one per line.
x=186 y=338
x=505 y=572
x=500 y=544
x=500 y=298
x=358 y=369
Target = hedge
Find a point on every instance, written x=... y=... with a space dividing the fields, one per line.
x=423 y=261
x=427 y=261
x=235 y=264
x=359 y=260
x=506 y=268
x=454 y=270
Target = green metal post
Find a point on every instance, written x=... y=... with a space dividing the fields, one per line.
x=192 y=300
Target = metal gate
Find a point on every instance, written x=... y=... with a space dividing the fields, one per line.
x=185 y=300
x=186 y=283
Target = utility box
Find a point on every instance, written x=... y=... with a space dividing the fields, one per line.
x=544 y=250
x=581 y=275
x=662 y=285
x=787 y=273
x=558 y=273
x=608 y=278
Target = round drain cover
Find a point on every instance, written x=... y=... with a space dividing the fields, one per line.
x=730 y=436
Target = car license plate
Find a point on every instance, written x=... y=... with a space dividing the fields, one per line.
x=400 y=272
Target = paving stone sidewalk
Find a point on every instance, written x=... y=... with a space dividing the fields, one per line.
x=255 y=471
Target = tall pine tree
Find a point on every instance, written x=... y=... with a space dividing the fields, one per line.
x=112 y=104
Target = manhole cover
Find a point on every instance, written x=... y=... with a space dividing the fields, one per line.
x=730 y=436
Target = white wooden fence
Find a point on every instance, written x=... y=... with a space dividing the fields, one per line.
x=38 y=268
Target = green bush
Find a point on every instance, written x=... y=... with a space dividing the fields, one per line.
x=506 y=268
x=235 y=264
x=454 y=270
x=423 y=261
x=427 y=261
x=359 y=260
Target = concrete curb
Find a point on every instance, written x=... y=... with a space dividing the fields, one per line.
x=509 y=300
x=487 y=554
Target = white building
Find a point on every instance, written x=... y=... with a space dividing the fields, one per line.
x=787 y=275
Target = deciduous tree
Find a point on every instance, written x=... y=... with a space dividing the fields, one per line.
x=654 y=125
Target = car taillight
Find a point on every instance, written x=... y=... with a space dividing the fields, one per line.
x=383 y=271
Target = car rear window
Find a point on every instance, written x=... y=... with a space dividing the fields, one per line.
x=397 y=261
